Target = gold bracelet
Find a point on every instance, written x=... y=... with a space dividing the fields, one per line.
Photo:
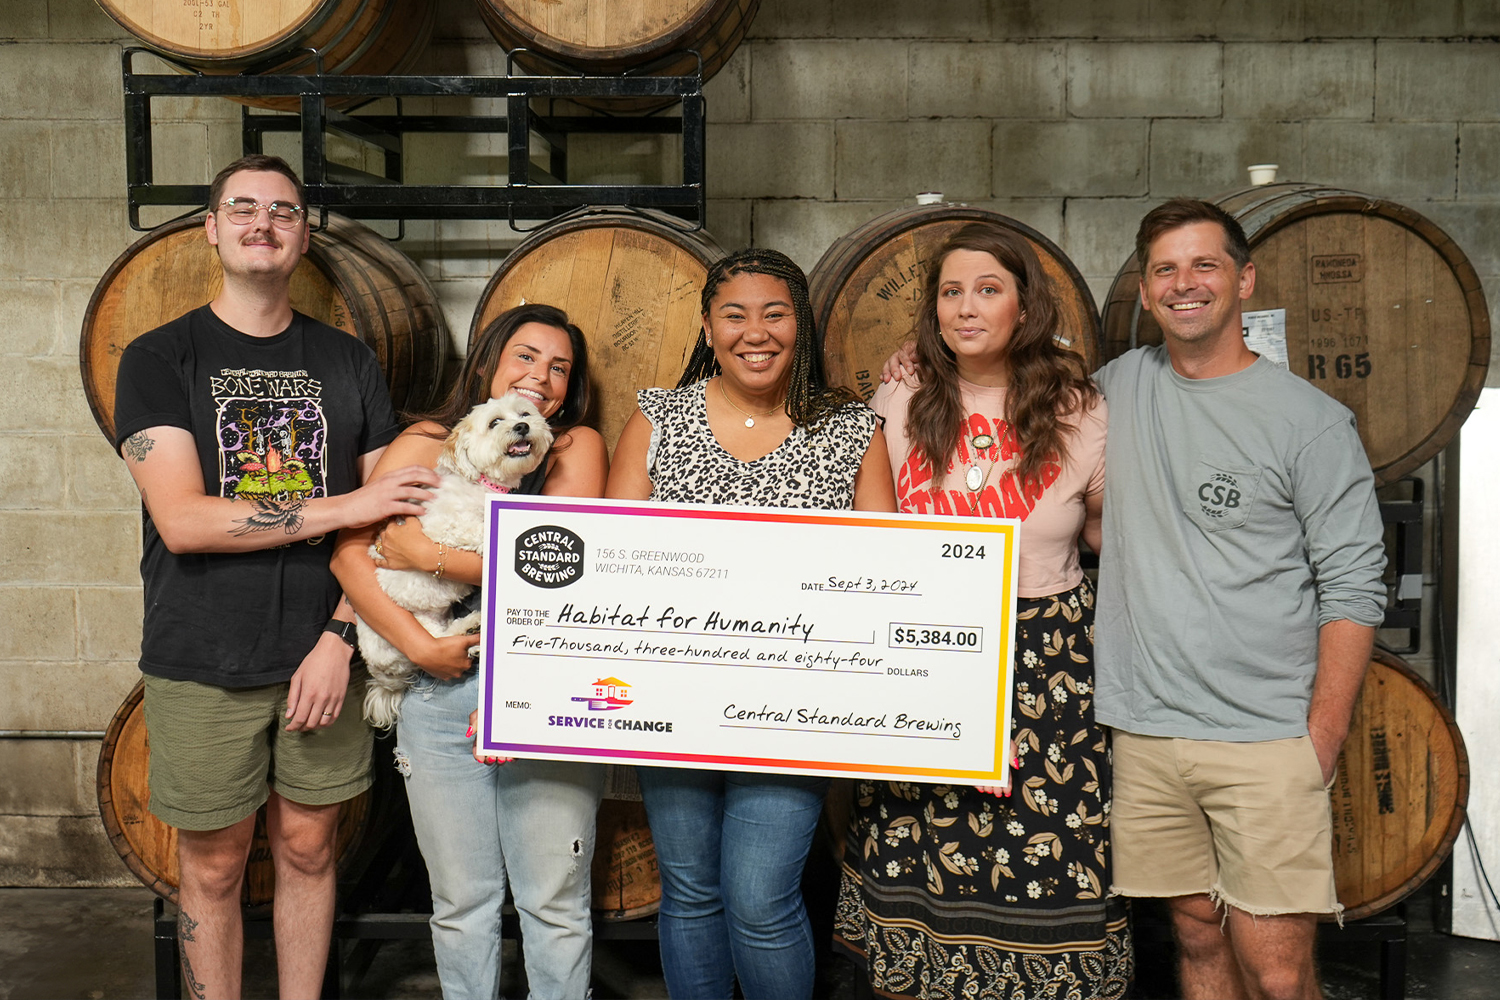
x=437 y=574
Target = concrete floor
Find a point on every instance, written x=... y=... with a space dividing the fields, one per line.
x=97 y=944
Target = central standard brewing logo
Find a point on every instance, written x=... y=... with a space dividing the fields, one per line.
x=549 y=556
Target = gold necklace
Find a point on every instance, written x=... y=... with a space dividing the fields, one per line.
x=749 y=417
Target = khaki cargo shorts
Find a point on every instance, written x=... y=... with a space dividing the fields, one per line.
x=217 y=752
x=1247 y=823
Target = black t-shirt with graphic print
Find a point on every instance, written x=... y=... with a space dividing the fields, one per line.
x=275 y=419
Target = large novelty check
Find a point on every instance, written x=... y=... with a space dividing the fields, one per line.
x=735 y=638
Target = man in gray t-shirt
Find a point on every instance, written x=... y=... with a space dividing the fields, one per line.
x=1240 y=585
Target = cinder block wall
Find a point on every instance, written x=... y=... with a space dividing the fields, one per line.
x=1072 y=116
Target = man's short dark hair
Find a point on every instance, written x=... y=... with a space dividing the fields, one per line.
x=254 y=161
x=1185 y=212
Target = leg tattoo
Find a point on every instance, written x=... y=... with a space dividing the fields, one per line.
x=185 y=927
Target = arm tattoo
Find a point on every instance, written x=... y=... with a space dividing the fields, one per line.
x=185 y=927
x=136 y=446
x=286 y=515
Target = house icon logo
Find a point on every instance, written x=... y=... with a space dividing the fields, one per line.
x=610 y=693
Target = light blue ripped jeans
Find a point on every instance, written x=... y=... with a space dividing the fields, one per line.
x=529 y=822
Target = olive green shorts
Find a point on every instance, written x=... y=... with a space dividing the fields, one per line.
x=217 y=752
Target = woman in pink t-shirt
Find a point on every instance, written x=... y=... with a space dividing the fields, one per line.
x=950 y=890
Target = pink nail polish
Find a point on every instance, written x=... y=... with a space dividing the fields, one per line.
x=470 y=734
x=1015 y=762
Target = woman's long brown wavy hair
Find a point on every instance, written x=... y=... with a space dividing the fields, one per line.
x=1047 y=382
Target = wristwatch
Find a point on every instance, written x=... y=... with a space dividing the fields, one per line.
x=344 y=630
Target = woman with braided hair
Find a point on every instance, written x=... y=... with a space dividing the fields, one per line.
x=751 y=422
x=953 y=891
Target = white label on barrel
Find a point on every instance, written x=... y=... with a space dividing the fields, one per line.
x=1265 y=334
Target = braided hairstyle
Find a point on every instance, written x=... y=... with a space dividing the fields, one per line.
x=809 y=398
x=1047 y=382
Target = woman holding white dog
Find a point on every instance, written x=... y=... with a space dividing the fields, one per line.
x=528 y=823
x=751 y=422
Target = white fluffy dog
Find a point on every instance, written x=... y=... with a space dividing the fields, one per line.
x=490 y=450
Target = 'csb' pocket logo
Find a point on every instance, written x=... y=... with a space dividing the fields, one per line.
x=1220 y=496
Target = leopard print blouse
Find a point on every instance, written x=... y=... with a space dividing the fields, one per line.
x=688 y=465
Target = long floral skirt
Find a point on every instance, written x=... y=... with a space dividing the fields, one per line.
x=950 y=893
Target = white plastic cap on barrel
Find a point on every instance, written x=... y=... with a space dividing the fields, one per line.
x=1263 y=173
x=930 y=198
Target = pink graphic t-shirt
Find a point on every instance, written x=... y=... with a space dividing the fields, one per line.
x=1052 y=510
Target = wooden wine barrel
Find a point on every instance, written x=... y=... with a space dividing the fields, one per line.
x=1399 y=798
x=230 y=36
x=865 y=289
x=630 y=280
x=149 y=847
x=1383 y=312
x=625 y=880
x=605 y=36
x=350 y=278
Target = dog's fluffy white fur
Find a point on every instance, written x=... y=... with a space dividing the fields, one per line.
x=501 y=440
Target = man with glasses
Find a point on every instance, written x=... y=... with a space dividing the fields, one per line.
x=249 y=428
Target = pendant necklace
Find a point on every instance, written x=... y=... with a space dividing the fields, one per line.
x=749 y=417
x=974 y=479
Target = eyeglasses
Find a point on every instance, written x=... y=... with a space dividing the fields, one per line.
x=283 y=214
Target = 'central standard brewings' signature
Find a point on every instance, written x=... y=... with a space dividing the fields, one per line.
x=821 y=720
x=675 y=621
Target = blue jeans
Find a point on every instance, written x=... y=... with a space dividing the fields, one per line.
x=529 y=822
x=731 y=847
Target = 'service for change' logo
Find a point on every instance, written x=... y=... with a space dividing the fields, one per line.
x=610 y=694
x=549 y=556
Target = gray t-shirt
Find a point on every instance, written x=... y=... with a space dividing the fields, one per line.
x=1239 y=517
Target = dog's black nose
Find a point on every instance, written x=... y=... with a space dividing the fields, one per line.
x=523 y=429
